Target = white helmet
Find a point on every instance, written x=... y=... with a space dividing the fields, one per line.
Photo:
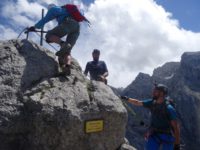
x=50 y=6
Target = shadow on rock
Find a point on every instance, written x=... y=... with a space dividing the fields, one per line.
x=40 y=64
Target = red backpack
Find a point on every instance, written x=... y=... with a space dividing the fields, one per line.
x=75 y=13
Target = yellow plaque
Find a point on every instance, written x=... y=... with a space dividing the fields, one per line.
x=94 y=126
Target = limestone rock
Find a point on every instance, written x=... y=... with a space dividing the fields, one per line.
x=40 y=110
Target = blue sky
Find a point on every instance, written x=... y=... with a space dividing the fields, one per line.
x=133 y=35
x=88 y=1
x=186 y=11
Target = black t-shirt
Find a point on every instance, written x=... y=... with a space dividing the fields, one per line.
x=95 y=68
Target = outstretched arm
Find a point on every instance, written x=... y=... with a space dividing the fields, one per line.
x=132 y=101
x=49 y=16
x=135 y=102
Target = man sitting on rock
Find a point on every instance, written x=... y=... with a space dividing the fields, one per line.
x=164 y=129
x=97 y=69
x=68 y=18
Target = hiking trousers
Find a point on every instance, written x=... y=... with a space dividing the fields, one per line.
x=160 y=142
x=69 y=27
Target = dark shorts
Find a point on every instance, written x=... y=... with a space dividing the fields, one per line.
x=154 y=142
x=68 y=27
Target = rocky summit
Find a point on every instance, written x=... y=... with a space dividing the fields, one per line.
x=42 y=110
x=183 y=81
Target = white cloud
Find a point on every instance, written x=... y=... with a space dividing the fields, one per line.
x=22 y=11
x=133 y=35
x=7 y=33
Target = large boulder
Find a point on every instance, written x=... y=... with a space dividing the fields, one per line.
x=41 y=110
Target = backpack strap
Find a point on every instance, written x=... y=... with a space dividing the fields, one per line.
x=167 y=103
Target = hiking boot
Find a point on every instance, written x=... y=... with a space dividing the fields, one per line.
x=61 y=61
x=65 y=48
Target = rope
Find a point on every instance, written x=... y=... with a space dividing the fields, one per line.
x=21 y=33
x=46 y=41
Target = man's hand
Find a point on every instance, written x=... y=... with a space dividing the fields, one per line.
x=102 y=78
x=31 y=29
x=125 y=98
x=177 y=147
x=132 y=101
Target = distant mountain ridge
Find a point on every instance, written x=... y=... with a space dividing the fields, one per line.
x=183 y=80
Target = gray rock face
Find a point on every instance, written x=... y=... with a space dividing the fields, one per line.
x=134 y=89
x=190 y=70
x=40 y=110
x=167 y=70
x=183 y=82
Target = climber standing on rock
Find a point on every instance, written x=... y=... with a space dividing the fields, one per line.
x=164 y=130
x=68 y=18
x=97 y=69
